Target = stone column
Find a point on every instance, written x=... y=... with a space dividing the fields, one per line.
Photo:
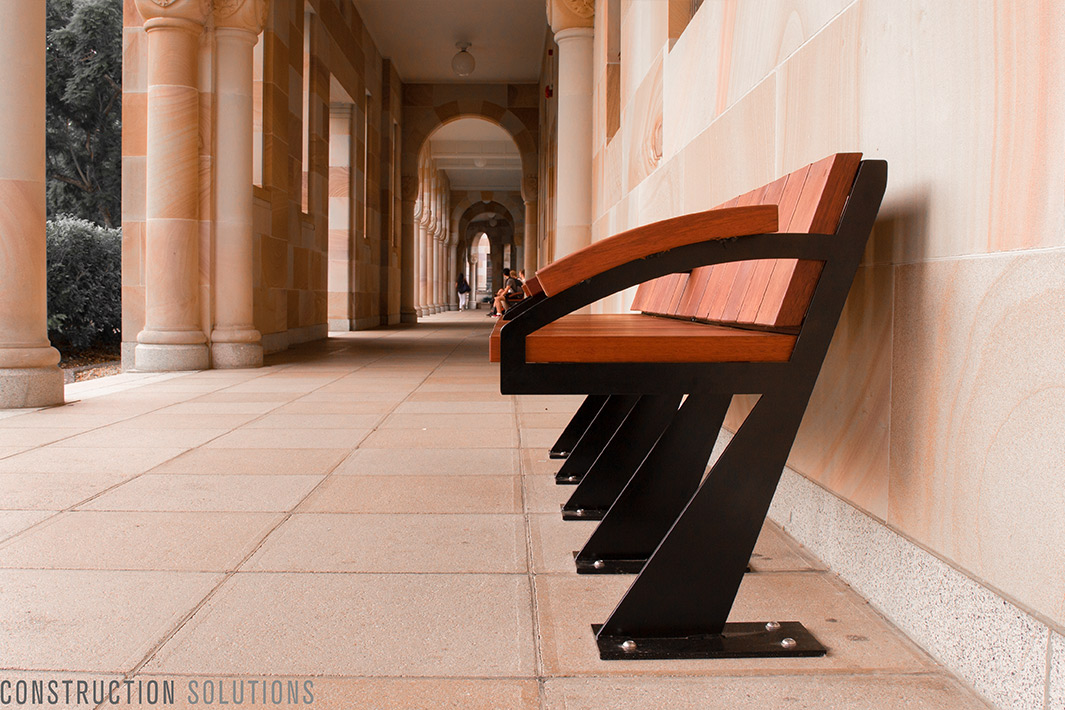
x=173 y=337
x=417 y=260
x=234 y=341
x=340 y=280
x=453 y=269
x=29 y=375
x=530 y=241
x=571 y=21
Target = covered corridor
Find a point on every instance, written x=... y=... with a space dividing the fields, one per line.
x=368 y=513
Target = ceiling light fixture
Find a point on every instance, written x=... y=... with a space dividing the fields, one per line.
x=480 y=162
x=463 y=63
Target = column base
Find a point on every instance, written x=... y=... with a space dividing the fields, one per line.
x=150 y=357
x=30 y=387
x=227 y=356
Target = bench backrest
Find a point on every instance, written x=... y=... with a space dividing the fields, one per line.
x=771 y=293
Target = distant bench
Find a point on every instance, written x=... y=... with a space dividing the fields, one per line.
x=741 y=299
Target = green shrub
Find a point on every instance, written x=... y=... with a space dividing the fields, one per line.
x=84 y=284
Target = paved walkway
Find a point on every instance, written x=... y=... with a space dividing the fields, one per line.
x=369 y=511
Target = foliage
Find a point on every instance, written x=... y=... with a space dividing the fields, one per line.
x=84 y=283
x=84 y=109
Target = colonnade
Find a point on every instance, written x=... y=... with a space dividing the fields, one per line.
x=434 y=248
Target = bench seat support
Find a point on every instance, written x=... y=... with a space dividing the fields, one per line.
x=621 y=458
x=595 y=438
x=579 y=424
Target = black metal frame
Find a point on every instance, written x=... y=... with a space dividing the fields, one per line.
x=697 y=537
x=578 y=424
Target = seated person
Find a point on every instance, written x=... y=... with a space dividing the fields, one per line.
x=511 y=293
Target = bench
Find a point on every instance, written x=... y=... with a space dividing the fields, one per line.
x=741 y=299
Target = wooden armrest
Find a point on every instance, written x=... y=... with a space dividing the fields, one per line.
x=532 y=287
x=642 y=242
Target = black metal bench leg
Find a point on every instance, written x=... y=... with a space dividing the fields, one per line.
x=627 y=449
x=577 y=425
x=658 y=491
x=595 y=438
x=678 y=606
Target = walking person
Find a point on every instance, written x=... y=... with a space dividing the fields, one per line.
x=463 y=287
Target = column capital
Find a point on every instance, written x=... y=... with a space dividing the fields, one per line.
x=247 y=15
x=195 y=11
x=568 y=14
x=529 y=191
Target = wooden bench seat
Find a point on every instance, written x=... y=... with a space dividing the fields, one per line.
x=632 y=337
x=742 y=299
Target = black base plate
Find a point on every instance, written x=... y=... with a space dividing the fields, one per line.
x=615 y=566
x=582 y=513
x=557 y=454
x=738 y=640
x=567 y=480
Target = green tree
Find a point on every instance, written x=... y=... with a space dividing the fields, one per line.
x=84 y=113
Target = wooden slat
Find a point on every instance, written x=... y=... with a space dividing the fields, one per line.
x=531 y=287
x=727 y=273
x=653 y=238
x=666 y=292
x=789 y=198
x=693 y=291
x=754 y=275
x=631 y=337
x=819 y=208
x=643 y=295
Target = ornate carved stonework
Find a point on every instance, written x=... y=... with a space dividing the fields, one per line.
x=249 y=15
x=192 y=10
x=582 y=8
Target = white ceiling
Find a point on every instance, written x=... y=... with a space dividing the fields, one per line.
x=419 y=37
x=477 y=155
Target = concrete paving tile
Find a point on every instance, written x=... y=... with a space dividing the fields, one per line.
x=53 y=491
x=416 y=494
x=343 y=407
x=290 y=439
x=88 y=460
x=410 y=461
x=476 y=408
x=28 y=438
x=543 y=495
x=336 y=542
x=69 y=416
x=247 y=395
x=458 y=420
x=181 y=492
x=390 y=385
x=194 y=693
x=392 y=625
x=549 y=403
x=554 y=541
x=539 y=439
x=776 y=552
x=420 y=396
x=165 y=419
x=200 y=406
x=280 y=385
x=316 y=421
x=6 y=451
x=261 y=461
x=89 y=620
x=462 y=387
x=441 y=439
x=118 y=437
x=545 y=420
x=857 y=638
x=816 y=692
x=320 y=396
x=139 y=541
x=12 y=522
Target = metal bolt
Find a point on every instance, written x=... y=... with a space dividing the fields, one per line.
x=788 y=643
x=629 y=646
x=580 y=512
x=772 y=626
x=599 y=564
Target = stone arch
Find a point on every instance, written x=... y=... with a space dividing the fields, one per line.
x=427 y=107
x=479 y=212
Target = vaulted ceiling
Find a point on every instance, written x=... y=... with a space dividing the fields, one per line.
x=419 y=36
